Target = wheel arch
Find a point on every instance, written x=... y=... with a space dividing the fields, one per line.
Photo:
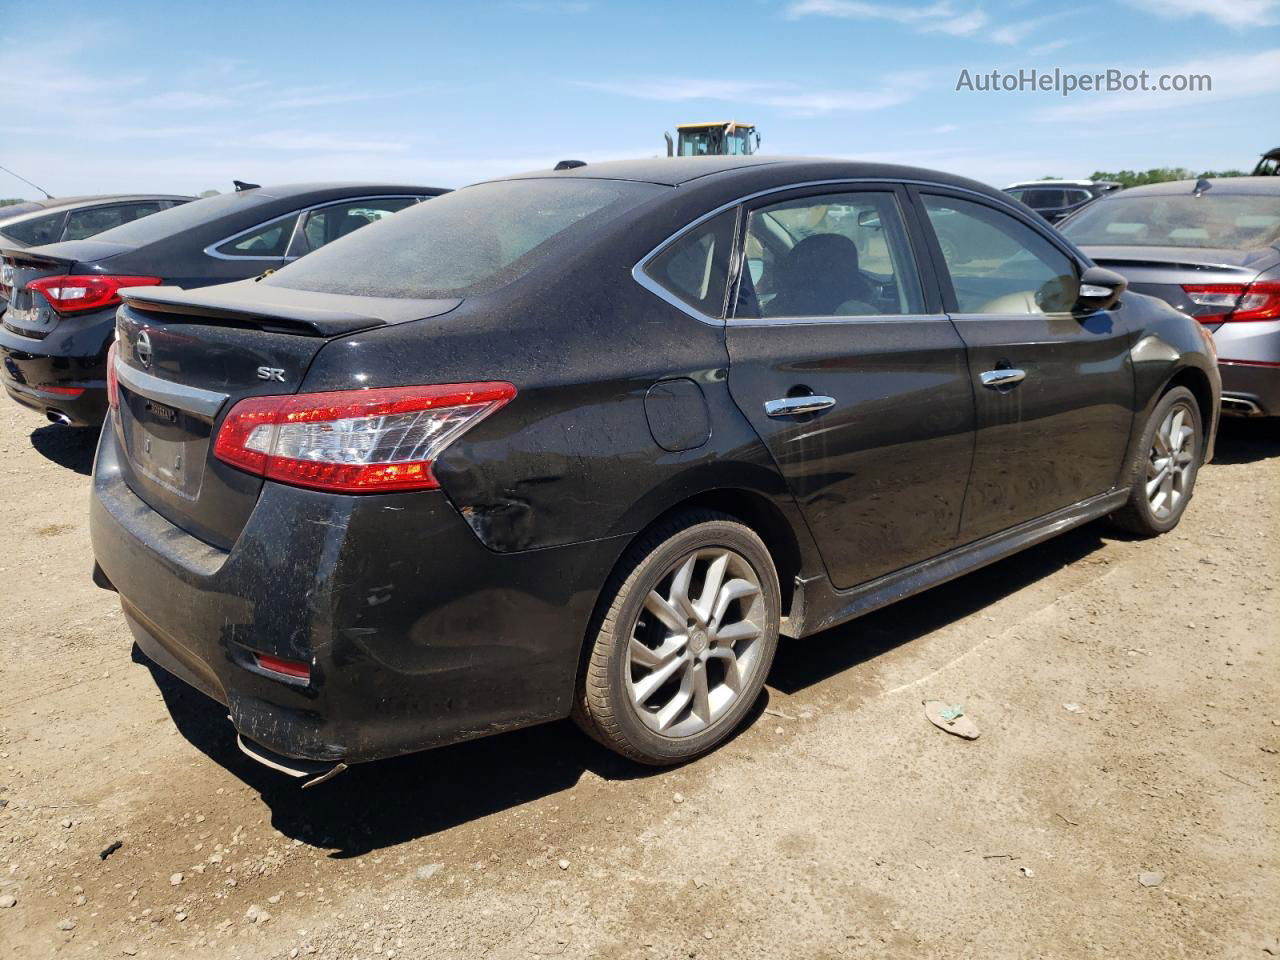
x=1195 y=380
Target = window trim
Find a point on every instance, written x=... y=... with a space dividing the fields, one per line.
x=917 y=232
x=212 y=249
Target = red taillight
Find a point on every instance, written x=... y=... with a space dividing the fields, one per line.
x=72 y=294
x=355 y=441
x=113 y=382
x=1236 y=302
x=294 y=669
x=62 y=391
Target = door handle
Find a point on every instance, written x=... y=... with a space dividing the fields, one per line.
x=795 y=406
x=995 y=379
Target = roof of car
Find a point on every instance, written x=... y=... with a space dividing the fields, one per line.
x=1058 y=183
x=1232 y=186
x=53 y=203
x=670 y=171
x=283 y=191
x=674 y=171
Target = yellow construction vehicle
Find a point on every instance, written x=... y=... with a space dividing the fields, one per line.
x=713 y=139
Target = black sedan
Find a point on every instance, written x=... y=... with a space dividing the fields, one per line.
x=586 y=442
x=60 y=317
x=36 y=222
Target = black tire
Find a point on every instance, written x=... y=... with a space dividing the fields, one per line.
x=1139 y=516
x=604 y=706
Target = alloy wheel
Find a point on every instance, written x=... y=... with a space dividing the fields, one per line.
x=696 y=643
x=1170 y=466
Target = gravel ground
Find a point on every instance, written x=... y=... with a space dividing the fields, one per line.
x=1120 y=802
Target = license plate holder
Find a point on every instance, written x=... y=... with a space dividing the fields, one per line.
x=166 y=445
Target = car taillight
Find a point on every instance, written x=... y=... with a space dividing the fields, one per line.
x=293 y=669
x=1236 y=302
x=355 y=441
x=113 y=382
x=71 y=294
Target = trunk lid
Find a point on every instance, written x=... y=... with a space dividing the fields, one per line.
x=28 y=313
x=1162 y=271
x=186 y=357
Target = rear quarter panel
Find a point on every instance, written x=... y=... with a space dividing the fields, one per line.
x=573 y=457
x=1167 y=343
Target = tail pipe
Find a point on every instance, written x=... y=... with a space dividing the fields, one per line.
x=316 y=773
x=1241 y=407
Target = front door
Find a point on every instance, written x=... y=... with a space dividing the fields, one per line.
x=845 y=365
x=1054 y=386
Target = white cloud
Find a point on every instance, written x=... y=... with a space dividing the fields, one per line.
x=181 y=100
x=1237 y=14
x=294 y=98
x=1040 y=49
x=789 y=98
x=313 y=141
x=1015 y=33
x=938 y=17
x=1235 y=77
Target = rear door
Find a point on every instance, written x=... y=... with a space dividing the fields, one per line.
x=1054 y=387
x=842 y=360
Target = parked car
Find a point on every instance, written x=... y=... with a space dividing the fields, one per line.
x=55 y=332
x=1055 y=199
x=586 y=442
x=72 y=218
x=1211 y=248
x=1268 y=164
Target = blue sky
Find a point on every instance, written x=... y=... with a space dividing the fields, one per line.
x=184 y=97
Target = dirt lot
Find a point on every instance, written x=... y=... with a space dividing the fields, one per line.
x=1128 y=695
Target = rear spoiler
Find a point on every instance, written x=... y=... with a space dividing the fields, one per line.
x=40 y=259
x=204 y=305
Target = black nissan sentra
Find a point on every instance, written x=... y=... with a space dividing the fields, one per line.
x=587 y=441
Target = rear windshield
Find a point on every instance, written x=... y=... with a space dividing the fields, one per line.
x=465 y=243
x=1223 y=222
x=166 y=223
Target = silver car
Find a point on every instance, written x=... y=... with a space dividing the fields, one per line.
x=1211 y=248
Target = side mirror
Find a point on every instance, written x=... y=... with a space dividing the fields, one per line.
x=1099 y=289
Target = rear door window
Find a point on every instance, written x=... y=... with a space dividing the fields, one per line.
x=94 y=220
x=328 y=223
x=267 y=242
x=832 y=255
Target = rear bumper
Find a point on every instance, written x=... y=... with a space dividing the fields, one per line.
x=1250 y=389
x=40 y=373
x=417 y=635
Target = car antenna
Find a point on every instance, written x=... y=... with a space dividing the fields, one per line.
x=570 y=164
x=1201 y=186
x=47 y=194
x=242 y=185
